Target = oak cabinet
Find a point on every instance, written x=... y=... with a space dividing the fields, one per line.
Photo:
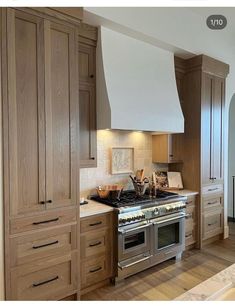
x=42 y=131
x=167 y=148
x=203 y=91
x=40 y=142
x=97 y=250
x=212 y=128
x=191 y=221
x=87 y=103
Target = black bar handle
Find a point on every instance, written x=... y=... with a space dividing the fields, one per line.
x=45 y=245
x=96 y=223
x=93 y=158
x=47 y=281
x=95 y=270
x=49 y=201
x=95 y=244
x=42 y=202
x=46 y=221
x=209 y=224
x=213 y=189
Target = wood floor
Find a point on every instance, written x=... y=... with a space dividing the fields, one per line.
x=168 y=280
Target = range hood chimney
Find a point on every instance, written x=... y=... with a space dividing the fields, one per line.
x=136 y=86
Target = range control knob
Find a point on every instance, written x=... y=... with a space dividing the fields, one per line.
x=156 y=211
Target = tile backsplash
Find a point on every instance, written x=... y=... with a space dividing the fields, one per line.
x=90 y=178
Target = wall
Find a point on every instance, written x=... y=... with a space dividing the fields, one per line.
x=142 y=143
x=231 y=155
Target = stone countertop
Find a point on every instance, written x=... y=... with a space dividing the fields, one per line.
x=184 y=192
x=94 y=208
x=212 y=288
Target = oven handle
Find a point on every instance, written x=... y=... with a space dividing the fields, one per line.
x=123 y=232
x=170 y=219
x=135 y=262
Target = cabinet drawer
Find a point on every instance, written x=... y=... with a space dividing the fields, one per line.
x=213 y=203
x=95 y=222
x=215 y=188
x=95 y=270
x=213 y=224
x=42 y=221
x=190 y=212
x=42 y=244
x=190 y=237
x=45 y=281
x=94 y=243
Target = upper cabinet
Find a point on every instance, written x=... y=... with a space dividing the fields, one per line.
x=167 y=148
x=87 y=96
x=42 y=110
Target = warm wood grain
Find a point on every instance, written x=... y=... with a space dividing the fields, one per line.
x=168 y=280
x=95 y=223
x=87 y=105
x=26 y=113
x=61 y=112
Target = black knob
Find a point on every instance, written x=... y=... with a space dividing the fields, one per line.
x=49 y=201
x=42 y=202
x=93 y=158
x=92 y=76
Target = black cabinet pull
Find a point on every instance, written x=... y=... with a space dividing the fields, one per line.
x=171 y=155
x=45 y=245
x=213 y=189
x=211 y=203
x=92 y=76
x=49 y=201
x=96 y=223
x=209 y=224
x=95 y=244
x=93 y=158
x=46 y=221
x=95 y=270
x=42 y=202
x=45 y=282
x=189 y=202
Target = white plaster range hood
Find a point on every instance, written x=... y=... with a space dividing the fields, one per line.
x=136 y=86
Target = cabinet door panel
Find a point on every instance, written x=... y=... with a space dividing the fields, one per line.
x=218 y=105
x=61 y=114
x=206 y=128
x=26 y=112
x=86 y=63
x=87 y=122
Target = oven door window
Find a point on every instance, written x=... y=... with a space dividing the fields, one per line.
x=168 y=235
x=133 y=240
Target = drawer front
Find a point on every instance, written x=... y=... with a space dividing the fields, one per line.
x=95 y=222
x=95 y=243
x=190 y=201
x=210 y=189
x=213 y=224
x=95 y=270
x=190 y=236
x=44 y=284
x=43 y=221
x=190 y=212
x=213 y=203
x=42 y=244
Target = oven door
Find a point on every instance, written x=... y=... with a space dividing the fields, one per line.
x=133 y=240
x=169 y=232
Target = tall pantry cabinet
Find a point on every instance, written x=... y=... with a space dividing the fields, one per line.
x=203 y=85
x=40 y=130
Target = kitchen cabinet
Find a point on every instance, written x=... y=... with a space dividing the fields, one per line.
x=204 y=95
x=167 y=148
x=87 y=98
x=97 y=250
x=212 y=128
x=191 y=222
x=40 y=131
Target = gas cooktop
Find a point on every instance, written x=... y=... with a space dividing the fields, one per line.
x=129 y=198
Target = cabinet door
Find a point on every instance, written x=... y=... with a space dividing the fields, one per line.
x=86 y=63
x=175 y=148
x=206 y=128
x=61 y=115
x=25 y=112
x=217 y=115
x=87 y=122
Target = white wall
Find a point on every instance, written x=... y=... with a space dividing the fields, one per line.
x=231 y=156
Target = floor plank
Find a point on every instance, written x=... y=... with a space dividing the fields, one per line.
x=170 y=279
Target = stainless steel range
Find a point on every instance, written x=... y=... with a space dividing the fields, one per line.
x=150 y=230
